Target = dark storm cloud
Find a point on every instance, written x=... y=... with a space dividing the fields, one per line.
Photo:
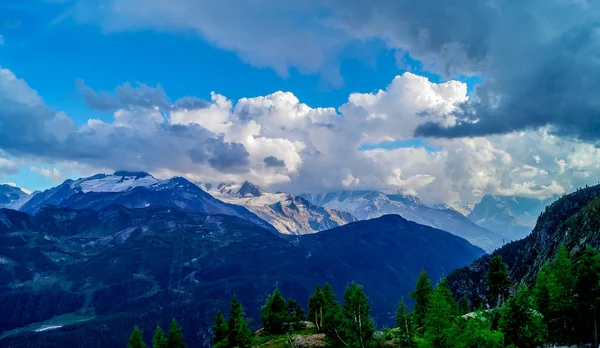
x=273 y=161
x=538 y=58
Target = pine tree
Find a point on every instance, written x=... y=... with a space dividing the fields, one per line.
x=239 y=333
x=295 y=314
x=561 y=309
x=316 y=308
x=332 y=314
x=357 y=326
x=444 y=288
x=440 y=318
x=478 y=333
x=403 y=323
x=521 y=324
x=328 y=294
x=497 y=282
x=220 y=329
x=587 y=291
x=421 y=295
x=136 y=340
x=540 y=292
x=159 y=340
x=274 y=314
x=174 y=336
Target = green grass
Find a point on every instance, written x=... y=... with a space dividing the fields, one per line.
x=277 y=341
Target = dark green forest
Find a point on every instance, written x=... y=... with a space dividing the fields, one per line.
x=562 y=308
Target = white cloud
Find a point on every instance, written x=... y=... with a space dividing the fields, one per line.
x=317 y=149
x=1 y=40
x=50 y=173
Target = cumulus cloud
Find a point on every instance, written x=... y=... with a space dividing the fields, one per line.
x=278 y=141
x=536 y=57
x=50 y=173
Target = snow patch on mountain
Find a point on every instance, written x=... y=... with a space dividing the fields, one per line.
x=118 y=182
x=12 y=197
x=288 y=213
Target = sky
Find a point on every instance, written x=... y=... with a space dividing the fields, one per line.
x=447 y=100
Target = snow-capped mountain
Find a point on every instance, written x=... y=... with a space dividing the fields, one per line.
x=372 y=204
x=12 y=197
x=463 y=208
x=288 y=213
x=118 y=182
x=510 y=215
x=135 y=190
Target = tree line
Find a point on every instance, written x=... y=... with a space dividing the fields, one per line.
x=562 y=308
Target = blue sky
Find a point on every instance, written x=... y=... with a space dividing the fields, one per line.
x=51 y=55
x=424 y=134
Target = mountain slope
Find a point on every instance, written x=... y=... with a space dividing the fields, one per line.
x=370 y=204
x=509 y=215
x=118 y=267
x=135 y=190
x=288 y=213
x=118 y=182
x=573 y=220
x=12 y=197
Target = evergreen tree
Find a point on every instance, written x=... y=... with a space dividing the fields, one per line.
x=421 y=295
x=540 y=292
x=220 y=329
x=561 y=308
x=174 y=336
x=404 y=324
x=328 y=293
x=295 y=314
x=357 y=326
x=444 y=288
x=274 y=314
x=316 y=308
x=239 y=333
x=587 y=291
x=522 y=326
x=497 y=282
x=325 y=312
x=159 y=340
x=332 y=322
x=440 y=318
x=136 y=340
x=477 y=333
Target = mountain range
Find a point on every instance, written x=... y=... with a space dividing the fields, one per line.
x=135 y=190
x=288 y=213
x=12 y=197
x=573 y=221
x=513 y=217
x=84 y=277
x=371 y=204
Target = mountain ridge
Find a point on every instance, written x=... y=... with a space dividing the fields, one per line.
x=137 y=265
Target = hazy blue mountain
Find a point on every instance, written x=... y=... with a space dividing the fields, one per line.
x=12 y=197
x=102 y=271
x=135 y=190
x=371 y=204
x=572 y=221
x=511 y=216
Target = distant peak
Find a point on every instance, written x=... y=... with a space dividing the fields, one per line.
x=250 y=190
x=137 y=175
